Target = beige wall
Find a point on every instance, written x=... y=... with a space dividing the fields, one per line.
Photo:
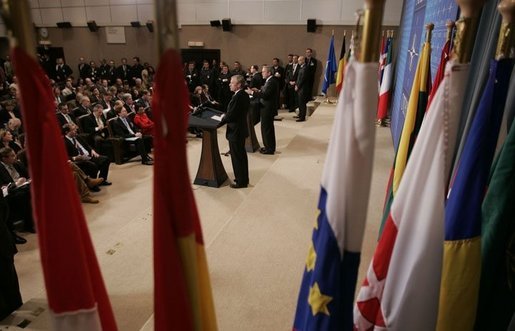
x=248 y=44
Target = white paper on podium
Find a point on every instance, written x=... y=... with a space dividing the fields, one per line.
x=216 y=118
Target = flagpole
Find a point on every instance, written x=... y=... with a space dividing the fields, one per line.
x=506 y=42
x=450 y=27
x=167 y=25
x=371 y=30
x=466 y=28
x=18 y=21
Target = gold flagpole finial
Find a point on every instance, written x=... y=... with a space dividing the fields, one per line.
x=450 y=27
x=466 y=28
x=506 y=42
x=371 y=30
x=18 y=22
x=167 y=25
x=429 y=32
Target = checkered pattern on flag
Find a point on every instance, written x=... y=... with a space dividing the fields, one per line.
x=328 y=285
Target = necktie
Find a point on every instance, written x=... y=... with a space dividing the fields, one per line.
x=77 y=146
x=127 y=125
x=99 y=123
x=68 y=118
x=14 y=174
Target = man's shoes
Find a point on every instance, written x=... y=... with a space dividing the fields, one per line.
x=301 y=120
x=19 y=240
x=264 y=151
x=94 y=182
x=278 y=118
x=94 y=189
x=148 y=162
x=106 y=183
x=236 y=185
x=88 y=199
x=295 y=116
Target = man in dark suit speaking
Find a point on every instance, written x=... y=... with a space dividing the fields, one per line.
x=237 y=131
x=269 y=100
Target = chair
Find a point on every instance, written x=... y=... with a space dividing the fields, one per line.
x=119 y=153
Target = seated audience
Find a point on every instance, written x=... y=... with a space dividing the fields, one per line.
x=7 y=140
x=15 y=175
x=143 y=122
x=64 y=116
x=124 y=128
x=86 y=158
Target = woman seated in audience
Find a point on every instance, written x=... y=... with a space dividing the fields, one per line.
x=142 y=121
x=69 y=91
x=95 y=96
x=9 y=111
x=7 y=140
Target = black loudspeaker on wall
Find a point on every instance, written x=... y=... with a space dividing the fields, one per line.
x=215 y=23
x=92 y=26
x=312 y=25
x=226 y=24
x=64 y=25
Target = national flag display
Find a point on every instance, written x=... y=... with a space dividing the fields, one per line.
x=444 y=58
x=462 y=248
x=330 y=68
x=402 y=285
x=182 y=289
x=341 y=67
x=327 y=290
x=386 y=81
x=77 y=297
x=496 y=305
x=414 y=116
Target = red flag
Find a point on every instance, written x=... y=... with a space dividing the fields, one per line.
x=75 y=289
x=444 y=58
x=182 y=290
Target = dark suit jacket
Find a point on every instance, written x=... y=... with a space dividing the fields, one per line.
x=5 y=178
x=120 y=130
x=62 y=120
x=80 y=110
x=269 y=95
x=236 y=117
x=7 y=246
x=84 y=70
x=90 y=124
x=303 y=79
x=123 y=75
x=72 y=150
x=61 y=73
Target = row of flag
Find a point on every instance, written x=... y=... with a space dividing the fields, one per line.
x=442 y=261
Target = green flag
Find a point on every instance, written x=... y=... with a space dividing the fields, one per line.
x=497 y=286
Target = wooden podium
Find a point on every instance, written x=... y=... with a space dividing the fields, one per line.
x=211 y=171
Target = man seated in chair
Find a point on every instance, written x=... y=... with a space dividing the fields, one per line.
x=15 y=176
x=63 y=114
x=124 y=128
x=84 y=156
x=95 y=125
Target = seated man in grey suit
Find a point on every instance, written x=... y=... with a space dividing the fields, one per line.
x=124 y=128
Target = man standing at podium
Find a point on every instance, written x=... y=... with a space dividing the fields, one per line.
x=237 y=131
